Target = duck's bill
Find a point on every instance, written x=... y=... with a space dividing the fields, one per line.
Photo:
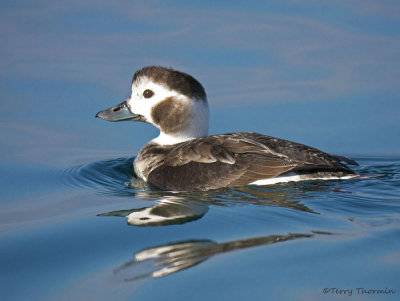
x=120 y=112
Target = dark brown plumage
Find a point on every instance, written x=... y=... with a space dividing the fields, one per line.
x=232 y=159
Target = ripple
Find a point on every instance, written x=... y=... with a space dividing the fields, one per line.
x=111 y=176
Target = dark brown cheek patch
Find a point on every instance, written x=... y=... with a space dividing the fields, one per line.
x=171 y=115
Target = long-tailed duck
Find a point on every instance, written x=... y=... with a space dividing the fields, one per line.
x=184 y=158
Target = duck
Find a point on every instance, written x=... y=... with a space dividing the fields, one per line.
x=183 y=157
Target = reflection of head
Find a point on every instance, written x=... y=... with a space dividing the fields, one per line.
x=170 y=210
x=168 y=213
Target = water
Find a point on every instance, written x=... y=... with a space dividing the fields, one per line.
x=97 y=232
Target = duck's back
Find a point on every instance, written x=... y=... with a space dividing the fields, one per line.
x=234 y=159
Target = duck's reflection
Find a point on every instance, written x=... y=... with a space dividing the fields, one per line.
x=168 y=211
x=166 y=259
x=178 y=208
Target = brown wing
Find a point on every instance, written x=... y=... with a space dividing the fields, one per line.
x=237 y=159
x=203 y=176
x=218 y=161
x=297 y=152
x=204 y=150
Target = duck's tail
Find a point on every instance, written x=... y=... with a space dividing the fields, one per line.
x=346 y=160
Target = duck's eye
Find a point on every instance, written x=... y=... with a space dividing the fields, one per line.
x=148 y=93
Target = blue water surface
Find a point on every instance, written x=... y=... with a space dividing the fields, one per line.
x=282 y=241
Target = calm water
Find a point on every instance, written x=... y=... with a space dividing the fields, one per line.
x=94 y=231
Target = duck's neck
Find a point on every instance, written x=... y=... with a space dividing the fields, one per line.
x=167 y=139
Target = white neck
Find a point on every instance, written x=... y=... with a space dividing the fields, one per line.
x=165 y=139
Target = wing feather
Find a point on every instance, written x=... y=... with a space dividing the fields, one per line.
x=235 y=159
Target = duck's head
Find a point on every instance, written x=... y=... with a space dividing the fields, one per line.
x=173 y=101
